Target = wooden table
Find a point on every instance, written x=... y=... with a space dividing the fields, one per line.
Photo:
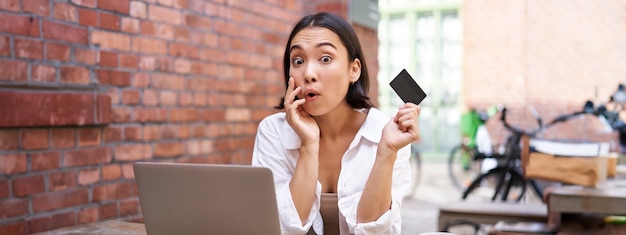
x=101 y=228
x=607 y=199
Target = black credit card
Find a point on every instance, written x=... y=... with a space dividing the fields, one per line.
x=407 y=88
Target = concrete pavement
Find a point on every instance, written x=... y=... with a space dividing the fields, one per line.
x=420 y=212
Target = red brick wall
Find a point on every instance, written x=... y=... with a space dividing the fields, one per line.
x=553 y=55
x=88 y=87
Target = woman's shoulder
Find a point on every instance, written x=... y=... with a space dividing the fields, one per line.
x=377 y=116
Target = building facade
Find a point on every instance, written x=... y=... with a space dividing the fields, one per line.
x=88 y=87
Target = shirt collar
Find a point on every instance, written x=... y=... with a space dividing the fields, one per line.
x=370 y=130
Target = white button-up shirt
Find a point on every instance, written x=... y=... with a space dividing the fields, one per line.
x=276 y=147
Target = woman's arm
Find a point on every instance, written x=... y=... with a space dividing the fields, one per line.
x=398 y=133
x=304 y=181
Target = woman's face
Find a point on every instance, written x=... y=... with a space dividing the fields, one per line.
x=319 y=64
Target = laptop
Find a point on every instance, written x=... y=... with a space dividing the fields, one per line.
x=185 y=198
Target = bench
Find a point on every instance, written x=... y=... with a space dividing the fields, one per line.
x=490 y=213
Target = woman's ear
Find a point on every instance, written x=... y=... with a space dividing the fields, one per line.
x=355 y=70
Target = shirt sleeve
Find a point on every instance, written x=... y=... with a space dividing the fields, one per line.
x=269 y=152
x=389 y=222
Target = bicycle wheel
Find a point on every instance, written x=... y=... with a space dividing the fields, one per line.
x=498 y=184
x=462 y=169
x=416 y=162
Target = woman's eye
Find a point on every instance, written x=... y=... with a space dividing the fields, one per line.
x=298 y=61
x=325 y=59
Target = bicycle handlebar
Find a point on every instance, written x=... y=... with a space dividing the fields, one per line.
x=558 y=119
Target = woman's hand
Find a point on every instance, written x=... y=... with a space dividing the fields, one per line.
x=303 y=124
x=401 y=130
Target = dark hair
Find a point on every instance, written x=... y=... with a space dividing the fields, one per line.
x=357 y=95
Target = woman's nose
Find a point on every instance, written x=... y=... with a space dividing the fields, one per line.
x=309 y=74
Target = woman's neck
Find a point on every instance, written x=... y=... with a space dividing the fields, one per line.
x=339 y=122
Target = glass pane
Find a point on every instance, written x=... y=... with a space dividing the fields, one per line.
x=398 y=56
x=425 y=47
x=451 y=56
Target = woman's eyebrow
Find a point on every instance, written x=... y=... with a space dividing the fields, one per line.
x=321 y=44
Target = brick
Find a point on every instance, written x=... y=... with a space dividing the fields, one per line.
x=129 y=61
x=63 y=138
x=182 y=66
x=66 y=12
x=50 y=222
x=183 y=50
x=64 y=32
x=238 y=114
x=148 y=28
x=107 y=211
x=171 y=149
x=10 y=5
x=121 y=6
x=109 y=40
x=181 y=34
x=181 y=4
x=150 y=97
x=127 y=171
x=198 y=22
x=90 y=156
x=89 y=136
x=42 y=161
x=149 y=115
x=112 y=135
x=89 y=176
x=113 y=191
x=149 y=46
x=30 y=49
x=88 y=17
x=28 y=185
x=13 y=70
x=138 y=9
x=75 y=75
x=185 y=99
x=35 y=139
x=163 y=14
x=183 y=115
x=22 y=25
x=141 y=80
x=132 y=152
x=167 y=98
x=13 y=228
x=130 y=25
x=165 y=81
x=112 y=77
x=87 y=215
x=111 y=172
x=56 y=51
x=121 y=115
x=58 y=200
x=13 y=207
x=5 y=46
x=110 y=21
x=61 y=109
x=165 y=31
x=43 y=73
x=129 y=207
x=169 y=132
x=107 y=59
x=85 y=56
x=58 y=181
x=4 y=188
x=165 y=2
x=9 y=139
x=38 y=7
x=130 y=97
x=85 y=3
x=133 y=133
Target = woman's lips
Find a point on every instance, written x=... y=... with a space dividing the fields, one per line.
x=310 y=94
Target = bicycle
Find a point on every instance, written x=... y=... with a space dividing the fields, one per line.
x=506 y=179
x=468 y=159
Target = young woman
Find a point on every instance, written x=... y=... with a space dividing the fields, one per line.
x=340 y=166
